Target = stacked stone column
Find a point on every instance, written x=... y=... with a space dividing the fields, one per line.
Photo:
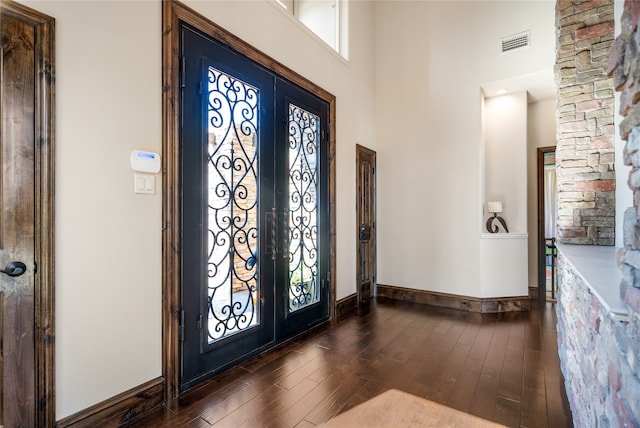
x=585 y=129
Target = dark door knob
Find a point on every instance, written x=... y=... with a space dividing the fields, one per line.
x=15 y=269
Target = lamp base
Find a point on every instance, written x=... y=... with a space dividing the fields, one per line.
x=494 y=228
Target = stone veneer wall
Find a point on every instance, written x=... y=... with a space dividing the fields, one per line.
x=585 y=129
x=600 y=356
x=624 y=65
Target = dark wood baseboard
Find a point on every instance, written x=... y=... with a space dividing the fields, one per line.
x=533 y=293
x=454 y=301
x=119 y=410
x=346 y=305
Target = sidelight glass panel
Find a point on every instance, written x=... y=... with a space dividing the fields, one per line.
x=304 y=141
x=232 y=213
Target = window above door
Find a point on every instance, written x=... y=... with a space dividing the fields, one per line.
x=325 y=18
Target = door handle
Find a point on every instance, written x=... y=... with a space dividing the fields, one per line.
x=270 y=226
x=364 y=233
x=15 y=269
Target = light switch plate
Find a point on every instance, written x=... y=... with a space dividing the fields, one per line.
x=144 y=184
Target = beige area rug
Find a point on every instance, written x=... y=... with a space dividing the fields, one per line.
x=399 y=409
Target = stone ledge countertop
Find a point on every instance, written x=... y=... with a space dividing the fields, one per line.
x=597 y=266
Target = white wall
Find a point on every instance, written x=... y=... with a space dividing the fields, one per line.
x=541 y=132
x=503 y=257
x=108 y=240
x=503 y=265
x=505 y=152
x=429 y=71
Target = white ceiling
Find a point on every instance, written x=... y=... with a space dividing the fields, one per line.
x=539 y=86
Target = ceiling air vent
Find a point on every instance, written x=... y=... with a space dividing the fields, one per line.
x=516 y=41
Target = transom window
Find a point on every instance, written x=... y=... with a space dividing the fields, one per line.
x=322 y=17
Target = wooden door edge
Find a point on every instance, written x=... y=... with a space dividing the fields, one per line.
x=362 y=149
x=44 y=287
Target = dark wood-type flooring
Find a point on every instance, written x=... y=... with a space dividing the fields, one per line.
x=500 y=367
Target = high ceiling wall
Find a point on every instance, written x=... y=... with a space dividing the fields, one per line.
x=429 y=74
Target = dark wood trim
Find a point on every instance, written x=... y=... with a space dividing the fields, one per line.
x=121 y=409
x=346 y=305
x=174 y=12
x=542 y=293
x=454 y=301
x=171 y=242
x=44 y=317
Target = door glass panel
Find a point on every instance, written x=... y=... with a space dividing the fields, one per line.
x=304 y=141
x=232 y=213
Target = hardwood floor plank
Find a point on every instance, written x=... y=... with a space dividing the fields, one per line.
x=402 y=347
x=367 y=391
x=335 y=401
x=470 y=334
x=482 y=341
x=507 y=412
x=533 y=335
x=431 y=367
x=484 y=401
x=399 y=375
x=495 y=356
x=288 y=381
x=534 y=398
x=463 y=390
x=273 y=414
x=199 y=423
x=558 y=411
x=259 y=401
x=499 y=367
x=485 y=396
x=512 y=370
x=451 y=337
x=442 y=385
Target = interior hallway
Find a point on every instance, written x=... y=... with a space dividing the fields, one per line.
x=500 y=367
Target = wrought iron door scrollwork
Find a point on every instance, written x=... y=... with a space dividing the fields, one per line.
x=304 y=140
x=232 y=169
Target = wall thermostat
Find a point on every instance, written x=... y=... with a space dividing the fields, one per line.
x=145 y=161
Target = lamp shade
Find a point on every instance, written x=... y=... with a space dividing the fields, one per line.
x=495 y=206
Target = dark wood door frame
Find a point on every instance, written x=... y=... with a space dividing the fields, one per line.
x=173 y=13
x=542 y=272
x=44 y=317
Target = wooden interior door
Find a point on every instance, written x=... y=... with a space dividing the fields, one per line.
x=17 y=223
x=366 y=222
x=26 y=218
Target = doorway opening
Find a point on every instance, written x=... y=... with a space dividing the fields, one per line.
x=547 y=215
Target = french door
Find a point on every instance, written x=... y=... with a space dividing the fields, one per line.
x=254 y=186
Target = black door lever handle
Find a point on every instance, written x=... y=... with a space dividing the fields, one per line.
x=15 y=269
